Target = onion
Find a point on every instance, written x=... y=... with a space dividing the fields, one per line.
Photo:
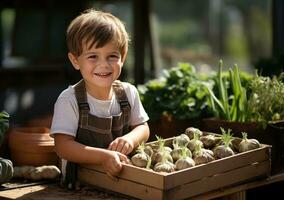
x=140 y=159
x=164 y=167
x=181 y=140
x=202 y=156
x=148 y=150
x=224 y=150
x=209 y=141
x=190 y=132
x=184 y=161
x=177 y=153
x=248 y=144
x=158 y=156
x=194 y=142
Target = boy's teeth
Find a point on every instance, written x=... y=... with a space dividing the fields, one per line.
x=102 y=74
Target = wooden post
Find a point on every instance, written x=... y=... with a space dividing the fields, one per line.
x=143 y=36
x=278 y=28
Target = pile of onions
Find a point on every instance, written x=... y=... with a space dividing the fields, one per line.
x=189 y=149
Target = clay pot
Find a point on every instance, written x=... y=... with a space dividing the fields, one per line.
x=43 y=121
x=32 y=146
x=213 y=125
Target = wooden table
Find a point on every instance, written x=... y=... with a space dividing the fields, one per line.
x=53 y=191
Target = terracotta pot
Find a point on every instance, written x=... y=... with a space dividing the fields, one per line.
x=32 y=146
x=213 y=125
x=43 y=121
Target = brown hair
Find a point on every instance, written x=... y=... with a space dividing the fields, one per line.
x=96 y=28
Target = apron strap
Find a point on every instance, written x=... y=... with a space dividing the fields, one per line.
x=122 y=100
x=81 y=96
x=71 y=167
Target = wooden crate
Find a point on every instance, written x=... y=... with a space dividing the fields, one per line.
x=145 y=184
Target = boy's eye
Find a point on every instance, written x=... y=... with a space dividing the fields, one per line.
x=93 y=56
x=114 y=56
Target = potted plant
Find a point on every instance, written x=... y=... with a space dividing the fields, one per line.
x=252 y=109
x=228 y=102
x=175 y=101
x=6 y=166
x=266 y=105
x=259 y=101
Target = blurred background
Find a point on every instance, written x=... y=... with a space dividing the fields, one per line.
x=34 y=68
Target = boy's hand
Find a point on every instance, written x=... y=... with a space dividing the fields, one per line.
x=112 y=163
x=122 y=145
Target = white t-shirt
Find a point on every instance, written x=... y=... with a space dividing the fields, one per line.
x=66 y=111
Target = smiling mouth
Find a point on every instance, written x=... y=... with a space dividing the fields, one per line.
x=103 y=74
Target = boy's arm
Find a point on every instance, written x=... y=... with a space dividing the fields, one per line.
x=126 y=143
x=139 y=133
x=69 y=149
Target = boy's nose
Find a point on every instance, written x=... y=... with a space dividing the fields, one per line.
x=103 y=62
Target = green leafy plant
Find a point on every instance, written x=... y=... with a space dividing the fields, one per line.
x=260 y=100
x=266 y=102
x=180 y=93
x=4 y=124
x=229 y=102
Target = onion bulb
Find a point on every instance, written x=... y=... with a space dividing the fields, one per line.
x=248 y=144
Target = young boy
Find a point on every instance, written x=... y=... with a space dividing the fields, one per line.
x=99 y=120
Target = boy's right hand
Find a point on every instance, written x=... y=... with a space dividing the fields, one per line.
x=112 y=162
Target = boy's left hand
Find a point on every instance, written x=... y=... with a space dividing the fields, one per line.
x=122 y=145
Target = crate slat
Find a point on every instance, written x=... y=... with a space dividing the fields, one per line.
x=124 y=186
x=218 y=181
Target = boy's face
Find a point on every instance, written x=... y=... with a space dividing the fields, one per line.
x=99 y=66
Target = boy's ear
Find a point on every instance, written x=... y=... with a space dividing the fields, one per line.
x=123 y=59
x=74 y=61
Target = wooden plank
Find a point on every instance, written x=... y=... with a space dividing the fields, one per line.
x=123 y=186
x=135 y=174
x=11 y=194
x=18 y=183
x=218 y=181
x=55 y=191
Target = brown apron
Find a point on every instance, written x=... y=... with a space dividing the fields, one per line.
x=96 y=131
